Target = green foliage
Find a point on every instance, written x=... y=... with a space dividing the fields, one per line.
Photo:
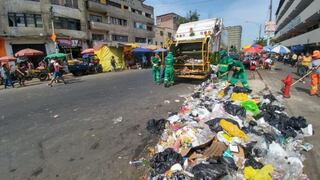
x=191 y=16
x=261 y=41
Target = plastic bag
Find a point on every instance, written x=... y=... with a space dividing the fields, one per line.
x=156 y=126
x=229 y=162
x=161 y=162
x=251 y=106
x=234 y=110
x=239 y=89
x=215 y=126
x=239 y=97
x=260 y=174
x=232 y=129
x=209 y=171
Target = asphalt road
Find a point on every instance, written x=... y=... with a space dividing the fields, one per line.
x=68 y=131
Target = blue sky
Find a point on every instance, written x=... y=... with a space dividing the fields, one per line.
x=234 y=12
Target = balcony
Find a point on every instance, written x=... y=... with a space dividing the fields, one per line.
x=109 y=27
x=97 y=7
x=306 y=38
x=26 y=31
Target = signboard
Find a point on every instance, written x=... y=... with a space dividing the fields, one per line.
x=67 y=43
x=270 y=26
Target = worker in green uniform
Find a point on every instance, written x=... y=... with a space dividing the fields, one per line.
x=156 y=62
x=239 y=73
x=169 y=70
x=224 y=65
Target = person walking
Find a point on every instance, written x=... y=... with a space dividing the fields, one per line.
x=306 y=63
x=169 y=71
x=20 y=73
x=156 y=61
x=294 y=60
x=57 y=73
x=5 y=73
x=315 y=76
x=144 y=62
x=113 y=63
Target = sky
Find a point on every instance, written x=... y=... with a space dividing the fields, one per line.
x=247 y=13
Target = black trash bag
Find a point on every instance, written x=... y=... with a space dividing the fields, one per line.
x=297 y=123
x=161 y=162
x=229 y=162
x=179 y=176
x=156 y=126
x=269 y=137
x=270 y=108
x=228 y=90
x=209 y=171
x=251 y=161
x=234 y=110
x=270 y=97
x=196 y=95
x=239 y=89
x=214 y=124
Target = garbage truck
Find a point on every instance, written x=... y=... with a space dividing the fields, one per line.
x=195 y=46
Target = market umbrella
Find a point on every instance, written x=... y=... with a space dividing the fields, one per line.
x=28 y=53
x=280 y=49
x=258 y=46
x=7 y=58
x=160 y=50
x=142 y=50
x=267 y=48
x=252 y=50
x=55 y=56
x=88 y=51
x=247 y=47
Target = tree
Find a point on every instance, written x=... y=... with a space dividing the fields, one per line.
x=261 y=41
x=191 y=16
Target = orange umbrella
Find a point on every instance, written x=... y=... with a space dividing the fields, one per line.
x=7 y=58
x=88 y=51
x=28 y=53
x=252 y=50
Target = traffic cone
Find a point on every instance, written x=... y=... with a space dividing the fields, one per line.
x=287 y=85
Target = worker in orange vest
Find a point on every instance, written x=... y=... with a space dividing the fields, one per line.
x=315 y=76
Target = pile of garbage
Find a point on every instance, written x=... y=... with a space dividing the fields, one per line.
x=226 y=132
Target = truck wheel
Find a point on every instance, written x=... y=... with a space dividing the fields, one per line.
x=43 y=76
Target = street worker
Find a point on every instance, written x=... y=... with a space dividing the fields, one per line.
x=169 y=71
x=57 y=73
x=306 y=63
x=156 y=62
x=224 y=65
x=239 y=73
x=315 y=76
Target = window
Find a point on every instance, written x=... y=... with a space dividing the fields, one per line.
x=125 y=7
x=148 y=15
x=97 y=37
x=136 y=11
x=67 y=3
x=161 y=33
x=119 y=38
x=140 y=40
x=140 y=25
x=149 y=41
x=149 y=28
x=24 y=20
x=169 y=35
x=114 y=4
x=99 y=1
x=161 y=43
x=156 y=43
x=118 y=21
x=95 y=18
x=67 y=23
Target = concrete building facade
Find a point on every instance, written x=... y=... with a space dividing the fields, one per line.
x=122 y=21
x=298 y=23
x=234 y=37
x=167 y=25
x=28 y=24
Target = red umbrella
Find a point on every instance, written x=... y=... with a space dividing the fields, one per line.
x=7 y=58
x=252 y=50
x=28 y=53
x=88 y=51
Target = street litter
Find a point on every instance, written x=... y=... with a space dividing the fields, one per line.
x=56 y=116
x=166 y=102
x=229 y=132
x=117 y=120
x=177 y=100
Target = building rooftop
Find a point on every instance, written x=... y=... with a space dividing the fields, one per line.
x=172 y=13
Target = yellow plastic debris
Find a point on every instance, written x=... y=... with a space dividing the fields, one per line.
x=221 y=93
x=232 y=129
x=239 y=97
x=258 y=174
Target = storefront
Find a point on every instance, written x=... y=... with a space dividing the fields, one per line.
x=70 y=46
x=2 y=48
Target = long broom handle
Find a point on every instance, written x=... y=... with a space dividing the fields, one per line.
x=305 y=75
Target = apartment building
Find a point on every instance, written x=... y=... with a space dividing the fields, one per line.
x=167 y=25
x=298 y=23
x=28 y=24
x=120 y=21
x=234 y=37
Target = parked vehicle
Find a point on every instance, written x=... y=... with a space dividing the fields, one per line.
x=41 y=74
x=88 y=65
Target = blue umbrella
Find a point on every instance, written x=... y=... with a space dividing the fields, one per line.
x=280 y=49
x=142 y=50
x=160 y=50
x=267 y=48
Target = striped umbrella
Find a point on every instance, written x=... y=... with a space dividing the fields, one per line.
x=280 y=49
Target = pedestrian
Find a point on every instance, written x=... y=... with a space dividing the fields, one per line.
x=294 y=60
x=30 y=67
x=224 y=65
x=5 y=74
x=306 y=63
x=113 y=63
x=315 y=76
x=156 y=62
x=239 y=73
x=20 y=73
x=144 y=62
x=57 y=73
x=169 y=72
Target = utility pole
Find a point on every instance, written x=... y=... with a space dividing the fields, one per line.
x=52 y=27
x=270 y=20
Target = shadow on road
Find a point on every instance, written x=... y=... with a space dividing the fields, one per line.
x=73 y=81
x=300 y=89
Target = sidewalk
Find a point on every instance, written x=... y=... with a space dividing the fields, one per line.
x=300 y=104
